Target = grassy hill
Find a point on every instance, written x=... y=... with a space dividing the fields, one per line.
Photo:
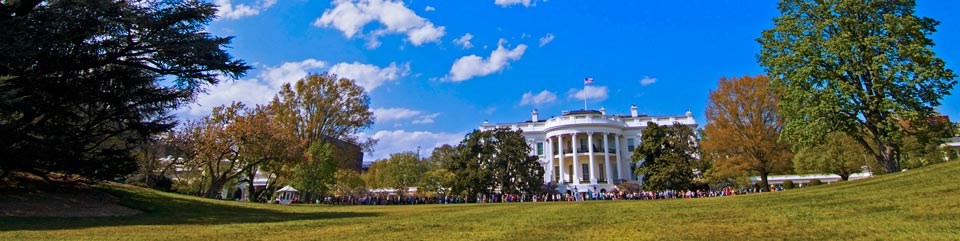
x=920 y=204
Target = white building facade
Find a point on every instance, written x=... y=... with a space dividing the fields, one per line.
x=588 y=150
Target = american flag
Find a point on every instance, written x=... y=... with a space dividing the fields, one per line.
x=588 y=80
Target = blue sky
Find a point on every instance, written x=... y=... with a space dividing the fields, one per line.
x=435 y=70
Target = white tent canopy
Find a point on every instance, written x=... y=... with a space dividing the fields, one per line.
x=288 y=188
x=287 y=195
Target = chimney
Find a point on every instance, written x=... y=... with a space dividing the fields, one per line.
x=633 y=110
x=603 y=111
x=534 y=116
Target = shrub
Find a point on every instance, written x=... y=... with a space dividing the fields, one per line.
x=815 y=182
x=788 y=184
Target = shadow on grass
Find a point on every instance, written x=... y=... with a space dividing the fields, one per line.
x=170 y=209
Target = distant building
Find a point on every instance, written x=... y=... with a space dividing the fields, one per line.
x=348 y=155
x=588 y=150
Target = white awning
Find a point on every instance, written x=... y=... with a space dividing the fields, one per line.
x=288 y=188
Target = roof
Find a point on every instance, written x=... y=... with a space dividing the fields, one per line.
x=288 y=188
x=580 y=112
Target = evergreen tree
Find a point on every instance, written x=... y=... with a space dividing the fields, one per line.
x=83 y=83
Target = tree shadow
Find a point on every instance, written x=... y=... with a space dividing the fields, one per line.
x=168 y=209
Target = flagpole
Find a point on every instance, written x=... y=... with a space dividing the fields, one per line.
x=584 y=94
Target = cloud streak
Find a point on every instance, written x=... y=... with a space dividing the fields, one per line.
x=471 y=66
x=543 y=97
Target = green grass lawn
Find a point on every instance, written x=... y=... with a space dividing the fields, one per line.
x=920 y=204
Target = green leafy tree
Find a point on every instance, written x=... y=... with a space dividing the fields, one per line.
x=922 y=146
x=348 y=183
x=665 y=157
x=859 y=67
x=400 y=172
x=83 y=83
x=438 y=179
x=498 y=159
x=838 y=154
x=315 y=174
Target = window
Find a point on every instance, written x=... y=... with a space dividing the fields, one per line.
x=540 y=148
x=630 y=143
x=616 y=174
x=586 y=171
x=566 y=177
x=583 y=145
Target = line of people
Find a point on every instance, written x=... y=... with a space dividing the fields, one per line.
x=554 y=197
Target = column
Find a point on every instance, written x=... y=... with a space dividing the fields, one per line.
x=548 y=153
x=563 y=177
x=593 y=177
x=619 y=158
x=606 y=158
x=576 y=160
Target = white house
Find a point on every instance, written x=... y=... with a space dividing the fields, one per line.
x=586 y=150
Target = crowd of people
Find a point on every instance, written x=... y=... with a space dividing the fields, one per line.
x=568 y=196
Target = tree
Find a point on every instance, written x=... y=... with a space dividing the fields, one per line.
x=218 y=146
x=438 y=179
x=497 y=159
x=922 y=145
x=155 y=159
x=315 y=174
x=83 y=83
x=269 y=146
x=320 y=106
x=743 y=129
x=859 y=67
x=348 y=183
x=400 y=172
x=665 y=155
x=839 y=154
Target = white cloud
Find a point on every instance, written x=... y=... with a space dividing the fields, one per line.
x=647 y=81
x=470 y=66
x=429 y=9
x=403 y=141
x=393 y=114
x=426 y=119
x=590 y=92
x=248 y=91
x=370 y=76
x=507 y=3
x=260 y=91
x=388 y=114
x=350 y=17
x=546 y=39
x=226 y=9
x=543 y=97
x=464 y=41
x=290 y=72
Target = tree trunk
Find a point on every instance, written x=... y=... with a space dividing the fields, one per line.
x=889 y=159
x=764 y=185
x=214 y=189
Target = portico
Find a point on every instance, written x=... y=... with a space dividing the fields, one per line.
x=588 y=150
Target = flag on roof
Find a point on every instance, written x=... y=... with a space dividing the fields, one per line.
x=588 y=80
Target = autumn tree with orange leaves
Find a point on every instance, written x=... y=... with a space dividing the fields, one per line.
x=743 y=129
